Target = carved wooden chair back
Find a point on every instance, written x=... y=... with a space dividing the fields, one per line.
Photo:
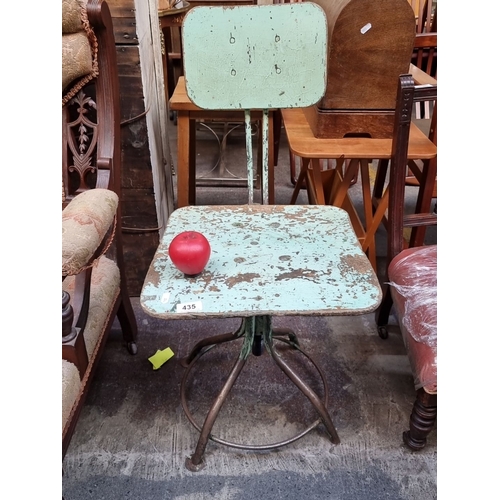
x=93 y=272
x=408 y=93
x=91 y=106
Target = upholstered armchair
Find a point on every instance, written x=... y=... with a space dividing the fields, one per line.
x=93 y=276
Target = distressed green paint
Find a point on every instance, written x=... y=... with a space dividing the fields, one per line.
x=255 y=57
x=265 y=156
x=265 y=260
x=249 y=151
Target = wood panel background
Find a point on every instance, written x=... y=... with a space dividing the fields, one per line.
x=140 y=223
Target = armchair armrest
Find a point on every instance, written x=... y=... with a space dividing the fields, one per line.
x=85 y=222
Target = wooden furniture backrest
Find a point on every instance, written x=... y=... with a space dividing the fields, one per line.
x=369 y=46
x=408 y=94
x=91 y=155
x=425 y=46
x=425 y=15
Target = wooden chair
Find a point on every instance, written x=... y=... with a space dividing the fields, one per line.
x=412 y=273
x=93 y=275
x=424 y=55
x=424 y=58
x=424 y=71
x=425 y=15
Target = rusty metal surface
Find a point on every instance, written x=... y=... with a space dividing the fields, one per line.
x=277 y=260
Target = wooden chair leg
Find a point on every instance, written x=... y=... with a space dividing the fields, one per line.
x=380 y=178
x=422 y=420
x=304 y=163
x=293 y=180
x=128 y=323
x=383 y=312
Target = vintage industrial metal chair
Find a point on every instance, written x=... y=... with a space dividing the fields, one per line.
x=93 y=276
x=412 y=271
x=266 y=260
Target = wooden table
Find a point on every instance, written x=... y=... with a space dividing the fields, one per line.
x=187 y=114
x=331 y=186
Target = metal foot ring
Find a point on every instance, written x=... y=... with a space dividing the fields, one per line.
x=195 y=468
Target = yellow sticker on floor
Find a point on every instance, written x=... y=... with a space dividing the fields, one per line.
x=161 y=357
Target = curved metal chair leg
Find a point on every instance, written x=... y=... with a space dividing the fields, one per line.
x=196 y=462
x=216 y=339
x=253 y=328
x=305 y=389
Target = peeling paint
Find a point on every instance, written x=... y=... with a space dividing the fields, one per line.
x=306 y=259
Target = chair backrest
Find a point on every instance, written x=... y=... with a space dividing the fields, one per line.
x=425 y=15
x=408 y=94
x=255 y=57
x=90 y=104
x=425 y=46
x=425 y=53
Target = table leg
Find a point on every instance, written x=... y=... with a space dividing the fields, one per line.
x=380 y=208
x=340 y=191
x=380 y=178
x=192 y=162
x=316 y=183
x=186 y=160
x=368 y=209
x=304 y=164
x=183 y=139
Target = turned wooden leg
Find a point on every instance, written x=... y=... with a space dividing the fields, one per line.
x=422 y=420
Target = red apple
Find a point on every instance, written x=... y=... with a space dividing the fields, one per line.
x=189 y=252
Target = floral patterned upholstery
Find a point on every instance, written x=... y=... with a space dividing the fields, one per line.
x=94 y=283
x=85 y=222
x=70 y=388
x=103 y=293
x=79 y=48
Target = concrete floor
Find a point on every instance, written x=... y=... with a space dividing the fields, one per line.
x=133 y=436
